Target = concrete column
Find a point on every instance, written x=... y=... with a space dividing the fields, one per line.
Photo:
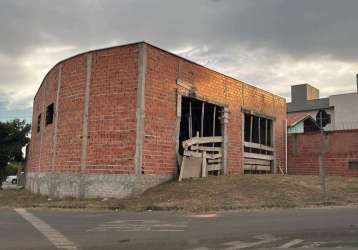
x=85 y=113
x=224 y=127
x=59 y=80
x=142 y=64
x=43 y=118
x=83 y=164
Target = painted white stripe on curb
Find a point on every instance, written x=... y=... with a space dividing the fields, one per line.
x=291 y=243
x=263 y=239
x=55 y=237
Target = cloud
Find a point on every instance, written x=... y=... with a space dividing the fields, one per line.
x=275 y=73
x=271 y=43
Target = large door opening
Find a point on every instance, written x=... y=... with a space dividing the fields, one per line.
x=201 y=133
x=198 y=117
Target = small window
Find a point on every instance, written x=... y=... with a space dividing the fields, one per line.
x=353 y=165
x=39 y=123
x=49 y=114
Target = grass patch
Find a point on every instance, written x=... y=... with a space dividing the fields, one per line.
x=210 y=194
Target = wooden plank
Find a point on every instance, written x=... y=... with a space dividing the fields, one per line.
x=179 y=159
x=197 y=135
x=200 y=155
x=214 y=122
x=214 y=161
x=213 y=167
x=251 y=124
x=190 y=121
x=257 y=162
x=190 y=168
x=204 y=171
x=266 y=131
x=258 y=146
x=193 y=154
x=279 y=167
x=258 y=156
x=177 y=129
x=259 y=130
x=202 y=119
x=257 y=168
x=202 y=140
x=203 y=148
x=214 y=156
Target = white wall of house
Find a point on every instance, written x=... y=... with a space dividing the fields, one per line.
x=345 y=110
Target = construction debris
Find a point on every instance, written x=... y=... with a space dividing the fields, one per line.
x=202 y=156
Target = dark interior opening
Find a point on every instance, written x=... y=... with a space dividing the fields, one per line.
x=257 y=130
x=38 y=123
x=353 y=165
x=309 y=126
x=207 y=125
x=49 y=114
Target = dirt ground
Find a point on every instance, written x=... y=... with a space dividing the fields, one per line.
x=214 y=193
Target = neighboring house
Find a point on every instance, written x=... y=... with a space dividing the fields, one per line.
x=301 y=123
x=342 y=108
x=345 y=111
x=110 y=122
x=340 y=140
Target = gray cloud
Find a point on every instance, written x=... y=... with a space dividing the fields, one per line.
x=271 y=43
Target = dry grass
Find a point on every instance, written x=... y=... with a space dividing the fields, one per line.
x=211 y=194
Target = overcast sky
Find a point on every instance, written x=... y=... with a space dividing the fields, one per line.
x=271 y=44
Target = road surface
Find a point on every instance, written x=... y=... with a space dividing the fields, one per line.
x=276 y=229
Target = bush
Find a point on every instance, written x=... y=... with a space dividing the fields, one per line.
x=11 y=168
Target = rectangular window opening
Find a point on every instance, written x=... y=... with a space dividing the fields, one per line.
x=50 y=111
x=38 y=123
x=353 y=165
x=257 y=130
x=258 y=144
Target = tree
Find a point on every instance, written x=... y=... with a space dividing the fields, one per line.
x=13 y=137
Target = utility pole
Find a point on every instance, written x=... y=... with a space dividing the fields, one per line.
x=323 y=119
x=322 y=172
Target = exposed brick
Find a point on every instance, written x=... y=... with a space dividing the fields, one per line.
x=303 y=152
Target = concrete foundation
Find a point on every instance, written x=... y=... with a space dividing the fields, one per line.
x=90 y=185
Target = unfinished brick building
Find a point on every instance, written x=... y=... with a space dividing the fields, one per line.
x=110 y=122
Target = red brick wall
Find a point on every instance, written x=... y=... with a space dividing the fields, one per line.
x=111 y=121
x=161 y=88
x=70 y=114
x=48 y=97
x=112 y=111
x=303 y=152
x=33 y=158
x=68 y=118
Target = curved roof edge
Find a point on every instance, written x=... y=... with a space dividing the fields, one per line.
x=166 y=51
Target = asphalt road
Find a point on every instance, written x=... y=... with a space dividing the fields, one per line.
x=291 y=228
